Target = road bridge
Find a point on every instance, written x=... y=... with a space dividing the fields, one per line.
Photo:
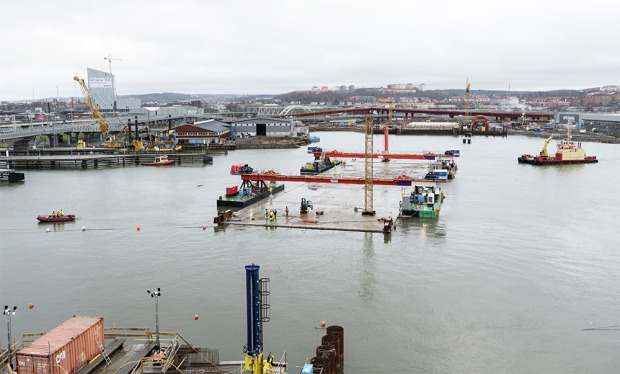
x=410 y=113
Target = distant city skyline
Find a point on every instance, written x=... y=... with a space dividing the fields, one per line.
x=276 y=46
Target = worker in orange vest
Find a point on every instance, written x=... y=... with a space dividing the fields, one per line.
x=286 y=210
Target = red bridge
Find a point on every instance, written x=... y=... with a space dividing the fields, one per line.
x=508 y=116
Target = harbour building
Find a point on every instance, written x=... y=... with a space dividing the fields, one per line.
x=102 y=87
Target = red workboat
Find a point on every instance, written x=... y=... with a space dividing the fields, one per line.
x=63 y=218
x=159 y=161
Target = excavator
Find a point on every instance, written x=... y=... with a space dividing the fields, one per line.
x=111 y=141
x=544 y=153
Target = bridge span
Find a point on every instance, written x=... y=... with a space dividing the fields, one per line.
x=409 y=113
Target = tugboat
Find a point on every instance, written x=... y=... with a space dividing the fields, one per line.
x=423 y=202
x=159 y=161
x=567 y=153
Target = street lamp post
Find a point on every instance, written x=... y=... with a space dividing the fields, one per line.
x=9 y=312
x=156 y=295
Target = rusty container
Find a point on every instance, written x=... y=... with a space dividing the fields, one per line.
x=328 y=351
x=65 y=349
x=339 y=332
x=320 y=362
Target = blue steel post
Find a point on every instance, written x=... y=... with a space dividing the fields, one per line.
x=253 y=303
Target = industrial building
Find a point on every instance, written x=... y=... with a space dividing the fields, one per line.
x=606 y=123
x=264 y=126
x=102 y=86
x=203 y=132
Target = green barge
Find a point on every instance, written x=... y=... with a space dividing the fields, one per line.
x=247 y=194
x=423 y=202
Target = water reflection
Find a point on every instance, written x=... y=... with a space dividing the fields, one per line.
x=425 y=229
x=368 y=269
x=56 y=226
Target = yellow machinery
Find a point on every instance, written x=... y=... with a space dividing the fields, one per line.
x=544 y=153
x=111 y=142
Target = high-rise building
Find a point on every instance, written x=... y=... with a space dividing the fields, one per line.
x=102 y=86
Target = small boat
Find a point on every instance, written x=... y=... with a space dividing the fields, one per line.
x=423 y=202
x=63 y=218
x=159 y=160
x=567 y=153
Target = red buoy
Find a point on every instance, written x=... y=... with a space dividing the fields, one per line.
x=31 y=305
x=195 y=316
x=138 y=228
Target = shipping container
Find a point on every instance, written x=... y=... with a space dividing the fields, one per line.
x=65 y=349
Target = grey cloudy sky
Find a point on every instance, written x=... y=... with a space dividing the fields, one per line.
x=276 y=46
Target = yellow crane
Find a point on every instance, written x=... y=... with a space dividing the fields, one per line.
x=111 y=142
x=544 y=153
x=101 y=122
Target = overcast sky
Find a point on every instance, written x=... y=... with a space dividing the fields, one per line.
x=277 y=46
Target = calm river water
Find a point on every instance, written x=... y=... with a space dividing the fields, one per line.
x=520 y=262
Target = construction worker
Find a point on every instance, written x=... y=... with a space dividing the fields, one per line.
x=53 y=214
x=270 y=215
x=62 y=213
x=266 y=214
x=400 y=205
x=286 y=210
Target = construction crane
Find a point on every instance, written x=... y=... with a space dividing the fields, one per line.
x=467 y=102
x=368 y=175
x=101 y=122
x=110 y=141
x=109 y=59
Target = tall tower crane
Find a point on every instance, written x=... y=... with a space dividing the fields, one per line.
x=368 y=175
x=467 y=102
